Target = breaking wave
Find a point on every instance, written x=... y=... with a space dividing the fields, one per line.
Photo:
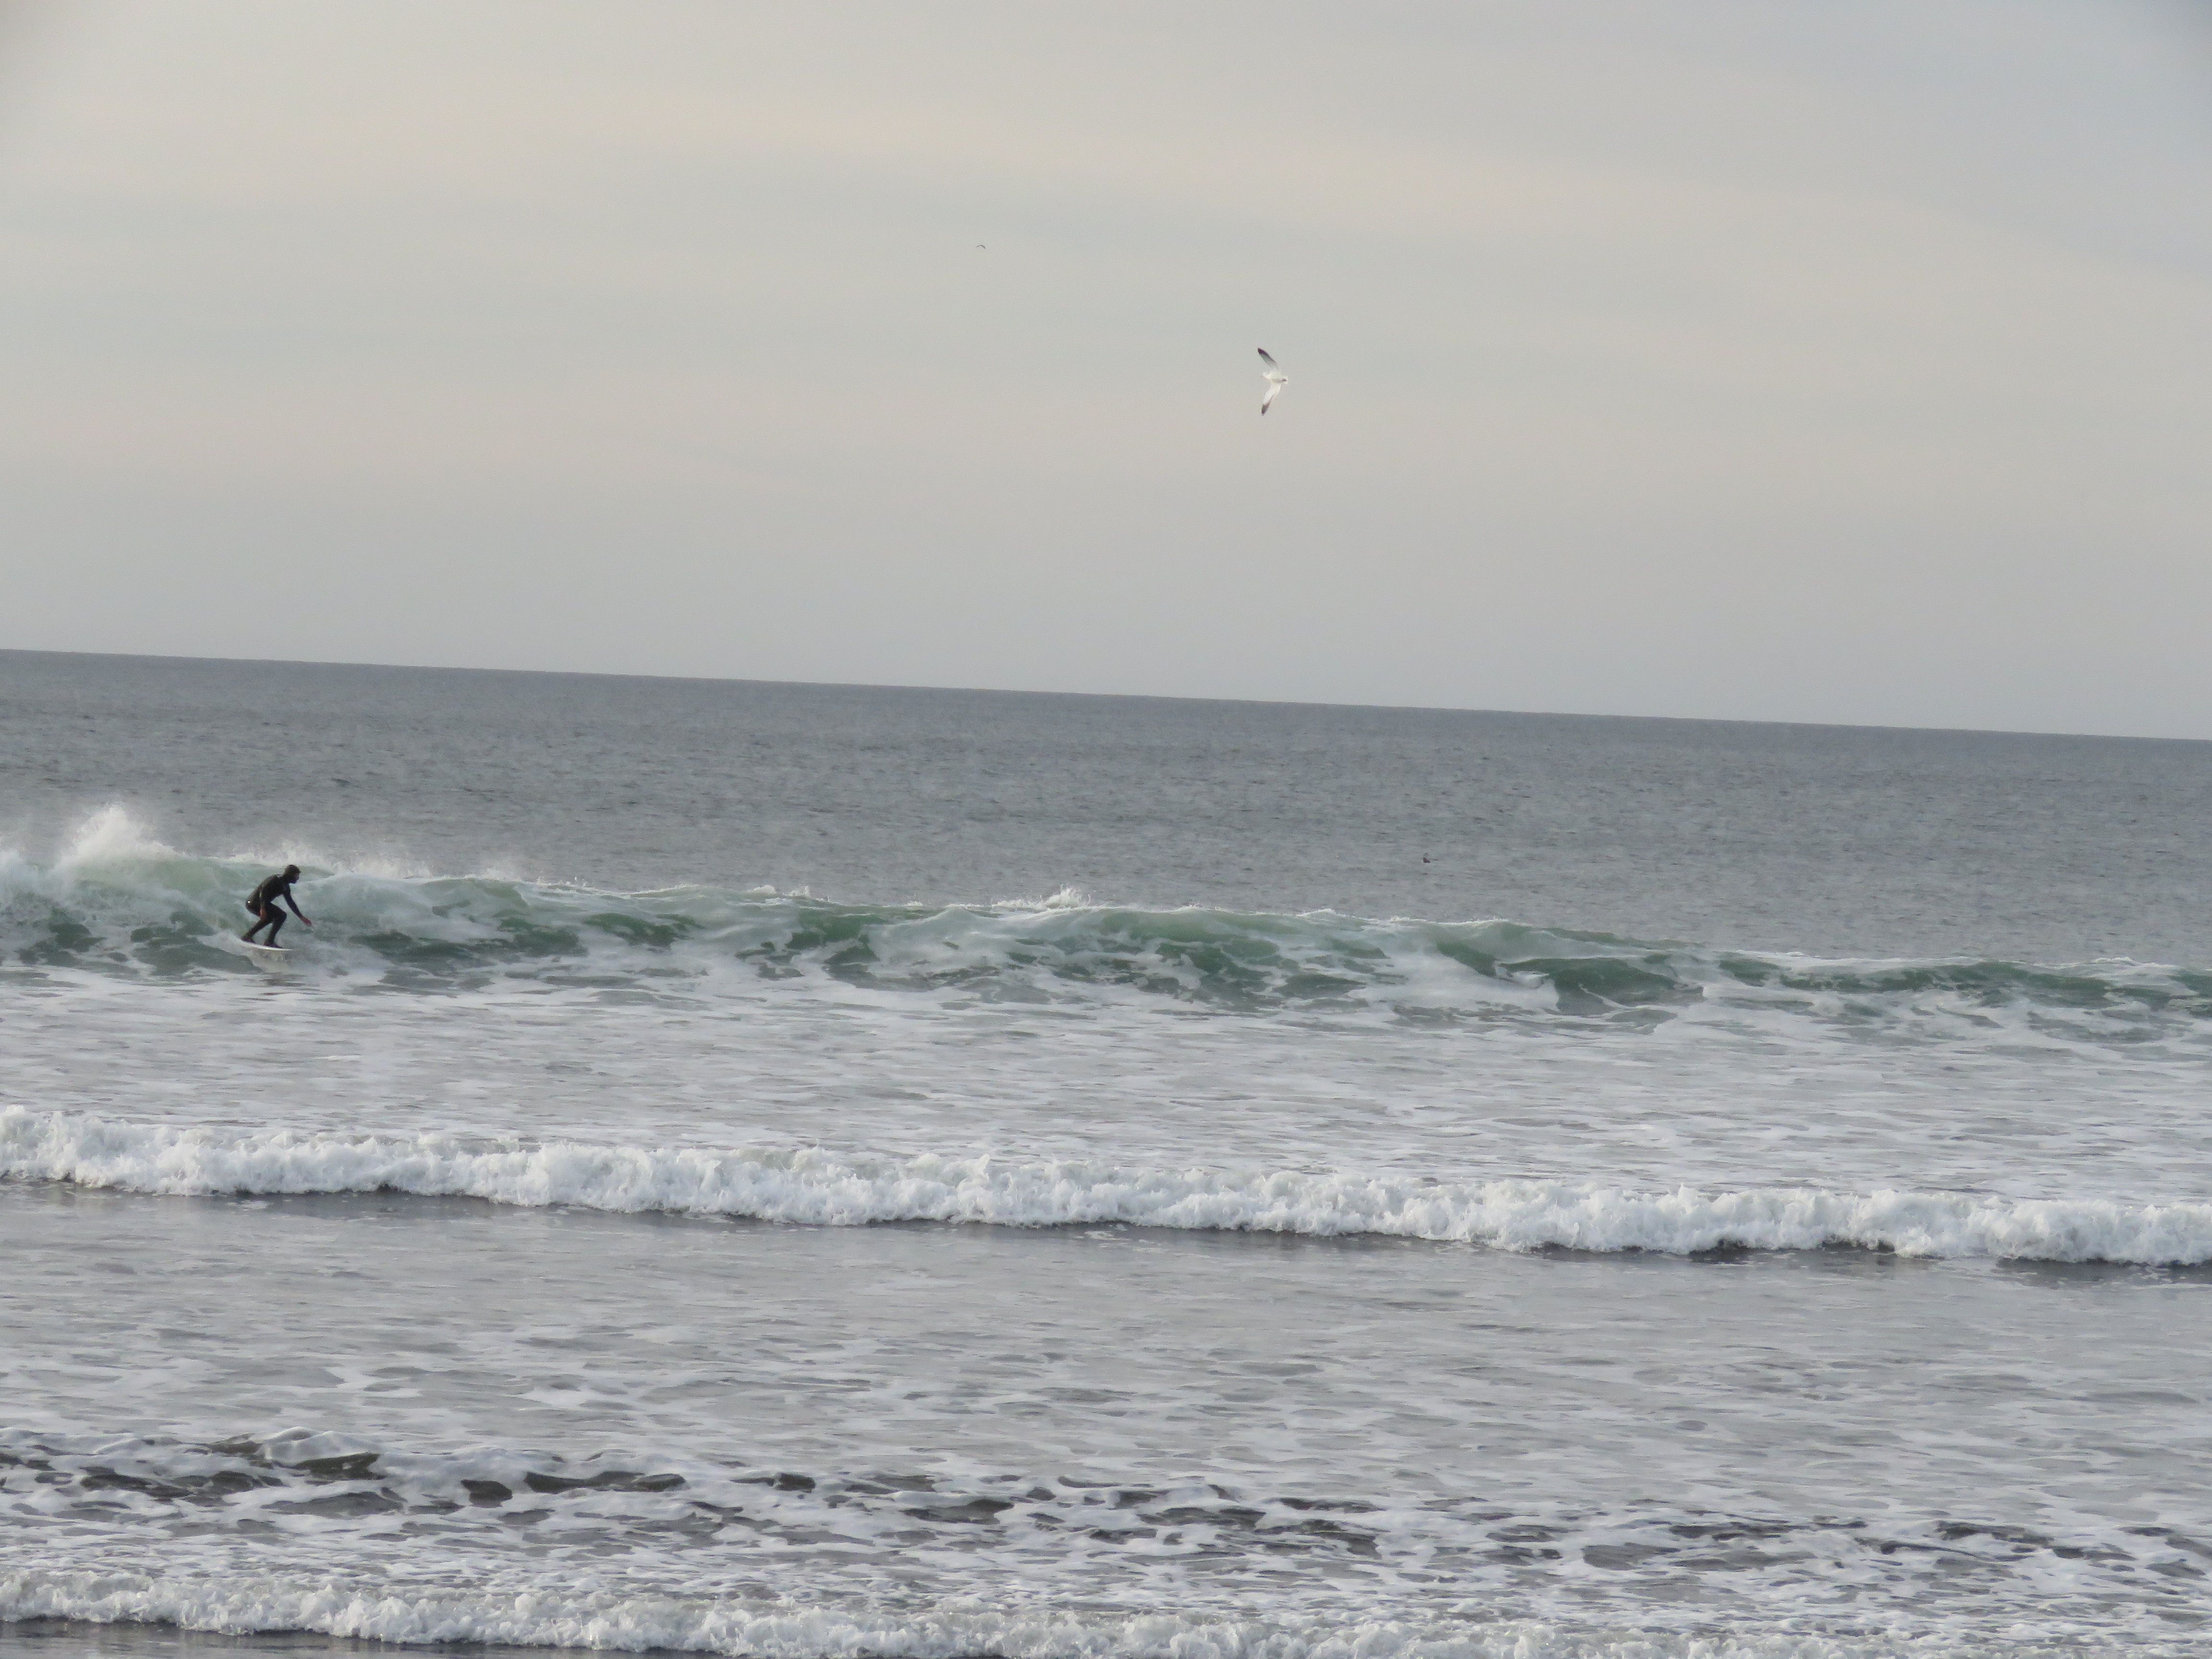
x=118 y=903
x=812 y=1186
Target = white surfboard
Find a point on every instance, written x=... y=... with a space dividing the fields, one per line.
x=268 y=958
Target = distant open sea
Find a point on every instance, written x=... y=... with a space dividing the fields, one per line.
x=821 y=1171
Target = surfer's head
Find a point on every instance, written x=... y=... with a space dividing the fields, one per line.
x=291 y=872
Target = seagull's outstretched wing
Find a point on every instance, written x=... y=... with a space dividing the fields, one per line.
x=1274 y=377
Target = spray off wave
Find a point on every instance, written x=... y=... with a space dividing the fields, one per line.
x=814 y=1187
x=118 y=903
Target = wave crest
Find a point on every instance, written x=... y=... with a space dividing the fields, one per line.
x=815 y=1187
x=119 y=902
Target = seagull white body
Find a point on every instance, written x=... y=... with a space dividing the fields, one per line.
x=1274 y=377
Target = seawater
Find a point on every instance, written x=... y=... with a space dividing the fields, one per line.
x=810 y=1171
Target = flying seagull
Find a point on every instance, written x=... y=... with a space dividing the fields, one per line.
x=1274 y=377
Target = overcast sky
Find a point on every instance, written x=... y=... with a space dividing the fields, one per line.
x=1740 y=358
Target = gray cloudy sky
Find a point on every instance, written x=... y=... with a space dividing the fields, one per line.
x=1711 y=357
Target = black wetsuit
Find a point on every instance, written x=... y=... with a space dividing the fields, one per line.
x=265 y=904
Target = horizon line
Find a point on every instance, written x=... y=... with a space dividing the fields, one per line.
x=1117 y=696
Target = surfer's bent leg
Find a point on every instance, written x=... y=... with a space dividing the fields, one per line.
x=274 y=916
x=260 y=922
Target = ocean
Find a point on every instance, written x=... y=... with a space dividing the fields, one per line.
x=826 y=1171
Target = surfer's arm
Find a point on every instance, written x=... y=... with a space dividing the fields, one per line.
x=294 y=904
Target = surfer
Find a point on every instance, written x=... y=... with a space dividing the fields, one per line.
x=264 y=900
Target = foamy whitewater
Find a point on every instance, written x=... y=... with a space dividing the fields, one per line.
x=808 y=1172
x=818 y=1188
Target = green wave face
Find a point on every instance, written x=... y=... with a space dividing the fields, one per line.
x=164 y=916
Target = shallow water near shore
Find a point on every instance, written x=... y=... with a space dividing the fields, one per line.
x=66 y=1639
x=807 y=1170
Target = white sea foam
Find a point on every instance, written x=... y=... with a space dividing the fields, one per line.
x=815 y=1187
x=887 y=1554
x=585 y=1616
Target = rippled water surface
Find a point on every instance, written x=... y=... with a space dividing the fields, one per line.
x=811 y=1171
